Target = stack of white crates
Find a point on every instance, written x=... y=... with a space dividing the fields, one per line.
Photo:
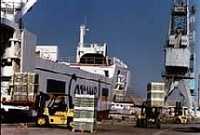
x=85 y=113
x=155 y=94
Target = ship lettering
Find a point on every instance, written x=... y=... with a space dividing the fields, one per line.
x=83 y=89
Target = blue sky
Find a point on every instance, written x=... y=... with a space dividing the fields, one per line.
x=135 y=30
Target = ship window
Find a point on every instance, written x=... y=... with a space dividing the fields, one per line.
x=54 y=86
x=192 y=92
x=92 y=59
x=105 y=92
x=106 y=73
x=5 y=62
x=5 y=78
x=179 y=22
x=118 y=72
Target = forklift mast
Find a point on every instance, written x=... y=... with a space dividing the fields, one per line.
x=40 y=102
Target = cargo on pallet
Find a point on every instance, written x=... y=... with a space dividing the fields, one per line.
x=85 y=113
x=23 y=87
x=155 y=94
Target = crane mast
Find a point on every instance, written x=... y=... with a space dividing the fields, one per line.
x=180 y=57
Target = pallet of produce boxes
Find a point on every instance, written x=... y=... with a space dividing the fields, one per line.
x=85 y=113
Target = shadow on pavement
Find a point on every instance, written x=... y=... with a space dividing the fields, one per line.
x=188 y=130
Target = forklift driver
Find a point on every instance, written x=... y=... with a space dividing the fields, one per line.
x=58 y=105
x=61 y=105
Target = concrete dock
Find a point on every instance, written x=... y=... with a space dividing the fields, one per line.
x=105 y=128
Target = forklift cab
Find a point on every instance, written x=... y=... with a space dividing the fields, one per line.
x=57 y=103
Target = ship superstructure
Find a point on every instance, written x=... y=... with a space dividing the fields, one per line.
x=180 y=53
x=93 y=57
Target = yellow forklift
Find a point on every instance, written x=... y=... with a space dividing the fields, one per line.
x=54 y=109
x=181 y=114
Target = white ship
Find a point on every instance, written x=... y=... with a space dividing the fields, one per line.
x=93 y=57
x=27 y=69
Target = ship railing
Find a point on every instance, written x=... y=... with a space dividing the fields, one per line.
x=69 y=59
x=92 y=45
x=108 y=61
x=88 y=60
x=118 y=62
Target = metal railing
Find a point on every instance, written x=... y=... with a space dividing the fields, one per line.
x=88 y=60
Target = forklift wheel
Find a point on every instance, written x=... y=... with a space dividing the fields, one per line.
x=69 y=120
x=178 y=121
x=42 y=121
x=2 y=118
